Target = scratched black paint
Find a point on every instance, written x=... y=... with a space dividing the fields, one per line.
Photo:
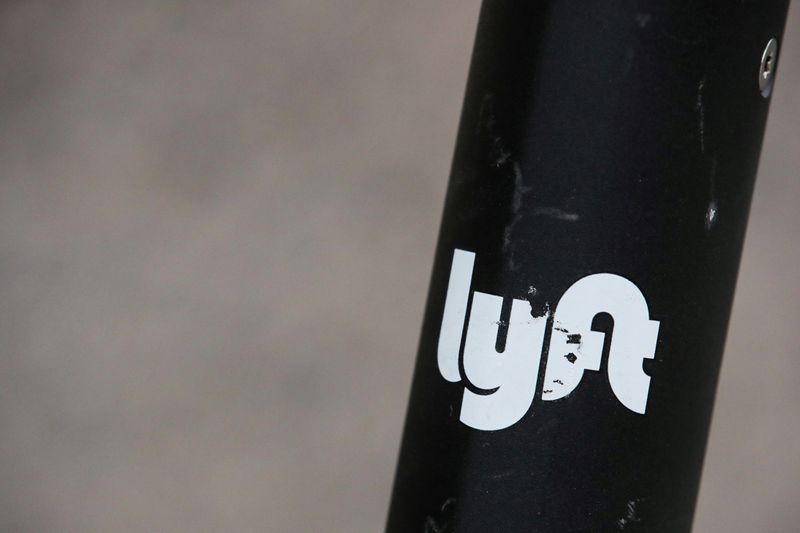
x=615 y=136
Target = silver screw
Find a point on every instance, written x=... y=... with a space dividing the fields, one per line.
x=766 y=72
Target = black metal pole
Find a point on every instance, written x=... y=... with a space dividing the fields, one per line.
x=586 y=266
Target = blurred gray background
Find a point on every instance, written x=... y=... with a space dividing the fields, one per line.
x=217 y=224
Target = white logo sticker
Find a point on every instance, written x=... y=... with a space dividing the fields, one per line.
x=508 y=380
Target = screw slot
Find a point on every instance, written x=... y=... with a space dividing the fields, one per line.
x=766 y=71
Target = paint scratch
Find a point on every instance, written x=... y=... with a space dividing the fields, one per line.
x=556 y=213
x=631 y=515
x=516 y=204
x=643 y=19
x=701 y=115
x=712 y=211
x=711 y=214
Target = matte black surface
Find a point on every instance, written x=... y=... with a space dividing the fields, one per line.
x=613 y=136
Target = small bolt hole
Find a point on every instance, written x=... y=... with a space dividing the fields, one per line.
x=768 y=67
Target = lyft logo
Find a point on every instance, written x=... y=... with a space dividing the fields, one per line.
x=507 y=381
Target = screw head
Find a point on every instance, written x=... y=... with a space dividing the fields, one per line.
x=766 y=72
